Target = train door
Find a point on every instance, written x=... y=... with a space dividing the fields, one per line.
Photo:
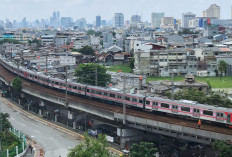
x=228 y=118
x=154 y=105
x=219 y=116
x=175 y=108
x=196 y=112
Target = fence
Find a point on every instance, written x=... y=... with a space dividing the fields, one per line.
x=15 y=151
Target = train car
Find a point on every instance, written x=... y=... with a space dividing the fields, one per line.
x=181 y=108
x=190 y=109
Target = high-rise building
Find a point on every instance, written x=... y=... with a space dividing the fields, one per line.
x=231 y=12
x=185 y=19
x=98 y=21
x=118 y=20
x=212 y=11
x=156 y=19
x=81 y=23
x=167 y=22
x=66 y=22
x=135 y=19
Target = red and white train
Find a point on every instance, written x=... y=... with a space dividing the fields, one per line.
x=183 y=108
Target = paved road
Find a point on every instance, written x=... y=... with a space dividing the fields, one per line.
x=54 y=142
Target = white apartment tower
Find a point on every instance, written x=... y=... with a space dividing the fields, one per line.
x=186 y=17
x=213 y=11
x=118 y=20
x=156 y=19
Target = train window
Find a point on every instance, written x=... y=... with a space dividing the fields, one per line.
x=119 y=97
x=155 y=103
x=164 y=105
x=134 y=99
x=61 y=84
x=69 y=86
x=187 y=109
x=209 y=113
x=220 y=114
x=79 y=88
x=105 y=93
x=88 y=90
x=92 y=91
x=127 y=98
x=196 y=110
x=57 y=83
x=112 y=95
x=99 y=92
x=35 y=77
x=175 y=107
x=148 y=102
x=75 y=87
x=140 y=101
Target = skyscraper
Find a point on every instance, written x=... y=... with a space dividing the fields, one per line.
x=185 y=19
x=135 y=19
x=213 y=11
x=98 y=21
x=156 y=19
x=118 y=20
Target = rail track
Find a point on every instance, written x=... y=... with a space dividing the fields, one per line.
x=9 y=76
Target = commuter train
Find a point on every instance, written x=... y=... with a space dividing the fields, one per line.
x=182 y=108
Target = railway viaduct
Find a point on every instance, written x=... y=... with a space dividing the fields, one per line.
x=136 y=120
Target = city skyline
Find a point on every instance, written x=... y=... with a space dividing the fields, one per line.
x=43 y=9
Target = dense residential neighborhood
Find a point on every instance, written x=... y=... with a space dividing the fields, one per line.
x=153 y=84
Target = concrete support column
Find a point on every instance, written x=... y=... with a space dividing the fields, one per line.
x=28 y=107
x=70 y=115
x=17 y=151
x=55 y=118
x=19 y=101
x=7 y=152
x=40 y=112
x=74 y=125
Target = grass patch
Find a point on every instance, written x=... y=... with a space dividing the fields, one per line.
x=216 y=82
x=123 y=67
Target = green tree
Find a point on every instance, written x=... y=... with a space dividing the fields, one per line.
x=87 y=50
x=144 y=149
x=38 y=42
x=86 y=73
x=90 y=32
x=17 y=83
x=91 y=147
x=224 y=149
x=222 y=67
x=132 y=63
x=9 y=41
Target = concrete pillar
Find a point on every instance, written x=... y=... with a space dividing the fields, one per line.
x=74 y=125
x=19 y=101
x=23 y=146
x=7 y=152
x=17 y=151
x=40 y=112
x=157 y=154
x=70 y=115
x=28 y=107
x=55 y=118
x=42 y=103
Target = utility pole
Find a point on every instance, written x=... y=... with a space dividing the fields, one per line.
x=124 y=110
x=0 y=127
x=46 y=72
x=124 y=104
x=172 y=85
x=96 y=77
x=66 y=85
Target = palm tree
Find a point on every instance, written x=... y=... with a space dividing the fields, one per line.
x=222 y=67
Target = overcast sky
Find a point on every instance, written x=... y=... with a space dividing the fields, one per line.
x=38 y=9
